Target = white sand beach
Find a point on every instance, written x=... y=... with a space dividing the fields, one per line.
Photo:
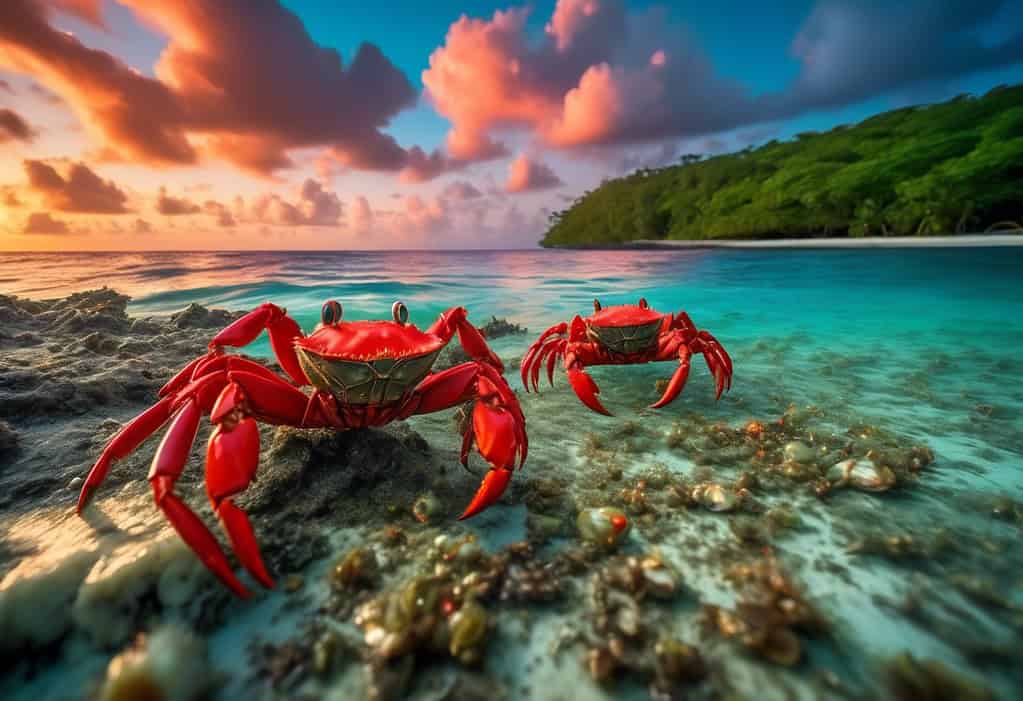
x=845 y=242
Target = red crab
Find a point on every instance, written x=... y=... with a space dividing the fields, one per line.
x=363 y=373
x=624 y=335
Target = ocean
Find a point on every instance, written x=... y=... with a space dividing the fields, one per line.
x=923 y=345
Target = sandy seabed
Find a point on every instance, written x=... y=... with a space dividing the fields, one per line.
x=774 y=551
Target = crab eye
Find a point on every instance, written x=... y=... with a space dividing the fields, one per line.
x=400 y=312
x=596 y=305
x=331 y=313
x=642 y=303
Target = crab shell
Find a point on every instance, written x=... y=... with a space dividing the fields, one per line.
x=368 y=362
x=627 y=328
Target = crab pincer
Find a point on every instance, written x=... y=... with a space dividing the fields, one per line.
x=499 y=430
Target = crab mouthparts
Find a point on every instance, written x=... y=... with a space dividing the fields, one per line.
x=379 y=381
x=627 y=339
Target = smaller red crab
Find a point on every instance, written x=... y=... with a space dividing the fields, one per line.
x=624 y=335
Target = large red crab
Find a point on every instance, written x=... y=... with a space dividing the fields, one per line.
x=622 y=335
x=363 y=373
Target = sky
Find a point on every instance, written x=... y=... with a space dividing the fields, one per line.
x=306 y=124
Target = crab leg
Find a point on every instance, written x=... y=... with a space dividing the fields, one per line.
x=499 y=432
x=123 y=444
x=167 y=466
x=283 y=331
x=678 y=380
x=582 y=384
x=718 y=361
x=497 y=428
x=232 y=456
x=527 y=359
x=456 y=320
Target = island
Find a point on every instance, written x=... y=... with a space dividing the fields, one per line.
x=940 y=169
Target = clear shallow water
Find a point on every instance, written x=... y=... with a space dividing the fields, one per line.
x=922 y=343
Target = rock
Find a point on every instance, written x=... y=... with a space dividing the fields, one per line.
x=35 y=604
x=8 y=439
x=606 y=526
x=799 y=452
x=169 y=664
x=110 y=600
x=496 y=328
x=196 y=316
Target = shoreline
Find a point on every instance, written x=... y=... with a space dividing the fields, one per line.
x=958 y=241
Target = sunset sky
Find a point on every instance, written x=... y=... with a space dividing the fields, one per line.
x=238 y=124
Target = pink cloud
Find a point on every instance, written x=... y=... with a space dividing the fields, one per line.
x=314 y=207
x=362 y=218
x=527 y=175
x=599 y=76
x=461 y=190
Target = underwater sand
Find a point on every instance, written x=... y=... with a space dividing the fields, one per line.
x=893 y=350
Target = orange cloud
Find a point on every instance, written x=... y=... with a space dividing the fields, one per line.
x=13 y=127
x=174 y=206
x=218 y=90
x=220 y=211
x=78 y=190
x=527 y=175
x=43 y=223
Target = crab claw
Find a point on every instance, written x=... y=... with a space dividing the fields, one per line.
x=586 y=389
x=677 y=382
x=499 y=438
x=494 y=484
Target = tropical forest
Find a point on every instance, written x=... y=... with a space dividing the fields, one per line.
x=947 y=168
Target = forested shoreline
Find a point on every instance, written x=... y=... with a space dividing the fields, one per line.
x=946 y=168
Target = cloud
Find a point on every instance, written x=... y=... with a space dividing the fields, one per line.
x=852 y=51
x=9 y=196
x=174 y=206
x=526 y=175
x=598 y=76
x=90 y=11
x=14 y=128
x=644 y=158
x=605 y=75
x=217 y=91
x=315 y=207
x=43 y=223
x=362 y=218
x=421 y=166
x=423 y=218
x=78 y=190
x=220 y=211
x=6 y=87
x=461 y=190
x=141 y=226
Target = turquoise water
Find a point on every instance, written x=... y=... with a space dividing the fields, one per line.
x=923 y=343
